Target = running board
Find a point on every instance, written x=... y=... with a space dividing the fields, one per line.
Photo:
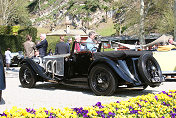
x=78 y=82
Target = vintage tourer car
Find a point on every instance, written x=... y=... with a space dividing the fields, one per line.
x=103 y=72
x=166 y=60
x=2 y=75
x=17 y=57
x=165 y=54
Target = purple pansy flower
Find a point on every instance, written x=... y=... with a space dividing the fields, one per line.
x=98 y=104
x=117 y=102
x=156 y=97
x=134 y=111
x=173 y=115
x=32 y=111
x=46 y=112
x=130 y=107
x=174 y=109
x=81 y=111
x=111 y=114
x=103 y=116
x=3 y=114
x=170 y=95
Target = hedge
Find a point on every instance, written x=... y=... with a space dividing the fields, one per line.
x=13 y=37
x=24 y=31
x=5 y=30
x=11 y=41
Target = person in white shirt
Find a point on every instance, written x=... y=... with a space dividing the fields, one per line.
x=8 y=57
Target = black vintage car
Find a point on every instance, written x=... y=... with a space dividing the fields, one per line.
x=103 y=72
x=2 y=75
x=17 y=57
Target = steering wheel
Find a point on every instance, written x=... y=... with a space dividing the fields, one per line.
x=92 y=50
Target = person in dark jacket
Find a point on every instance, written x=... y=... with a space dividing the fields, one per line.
x=2 y=75
x=42 y=46
x=62 y=47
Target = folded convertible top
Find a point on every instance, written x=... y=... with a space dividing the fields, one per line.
x=120 y=54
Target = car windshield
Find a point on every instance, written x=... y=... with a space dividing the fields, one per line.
x=14 y=54
x=20 y=52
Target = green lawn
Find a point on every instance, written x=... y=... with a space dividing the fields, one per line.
x=106 y=29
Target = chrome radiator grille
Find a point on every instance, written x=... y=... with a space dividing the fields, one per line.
x=54 y=64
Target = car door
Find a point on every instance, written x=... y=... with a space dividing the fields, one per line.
x=82 y=61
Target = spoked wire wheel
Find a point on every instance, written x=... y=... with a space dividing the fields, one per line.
x=27 y=77
x=102 y=80
x=149 y=70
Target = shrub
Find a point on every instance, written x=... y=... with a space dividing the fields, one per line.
x=13 y=37
x=24 y=31
x=53 y=40
x=5 y=30
x=11 y=41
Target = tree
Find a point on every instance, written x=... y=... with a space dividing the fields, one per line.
x=83 y=9
x=121 y=9
x=13 y=12
x=106 y=8
x=142 y=40
x=161 y=17
x=34 y=6
x=6 y=8
x=158 y=15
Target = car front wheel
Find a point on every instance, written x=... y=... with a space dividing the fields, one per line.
x=27 y=77
x=102 y=80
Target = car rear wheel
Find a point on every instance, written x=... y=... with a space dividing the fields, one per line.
x=27 y=77
x=102 y=80
x=149 y=70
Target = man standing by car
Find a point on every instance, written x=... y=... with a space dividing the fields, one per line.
x=62 y=47
x=29 y=47
x=91 y=42
x=8 y=57
x=42 y=46
x=69 y=41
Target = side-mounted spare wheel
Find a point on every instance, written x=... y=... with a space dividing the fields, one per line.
x=102 y=80
x=149 y=70
x=27 y=77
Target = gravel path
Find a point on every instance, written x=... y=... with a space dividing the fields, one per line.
x=59 y=96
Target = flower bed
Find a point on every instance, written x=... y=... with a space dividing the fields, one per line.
x=162 y=105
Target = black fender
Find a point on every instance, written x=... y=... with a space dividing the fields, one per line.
x=35 y=67
x=113 y=66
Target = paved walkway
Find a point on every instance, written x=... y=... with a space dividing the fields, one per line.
x=58 y=96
